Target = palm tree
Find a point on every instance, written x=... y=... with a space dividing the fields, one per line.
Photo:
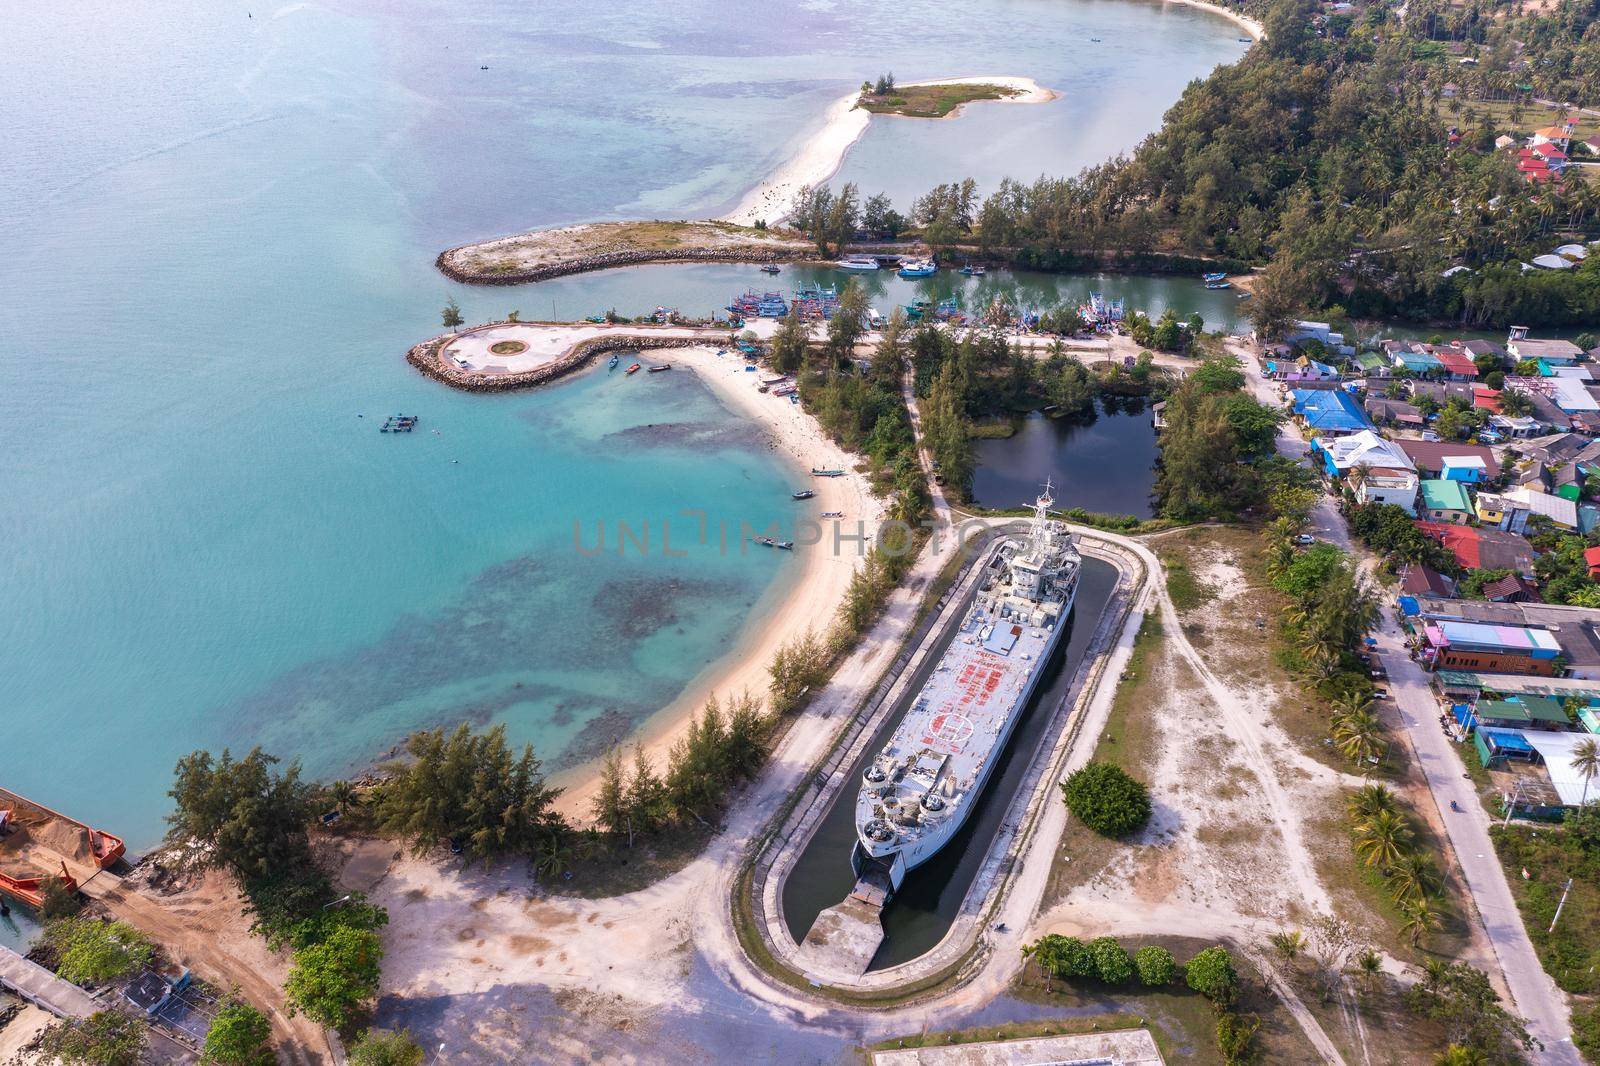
x=1460 y=1055
x=1586 y=760
x=1290 y=943
x=1359 y=736
x=1413 y=876
x=1383 y=838
x=1369 y=964
x=1369 y=800
x=1421 y=918
x=552 y=856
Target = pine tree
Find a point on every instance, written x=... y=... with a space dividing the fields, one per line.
x=610 y=804
x=646 y=796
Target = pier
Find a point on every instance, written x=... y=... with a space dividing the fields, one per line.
x=42 y=988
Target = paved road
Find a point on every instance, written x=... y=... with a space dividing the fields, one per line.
x=1536 y=996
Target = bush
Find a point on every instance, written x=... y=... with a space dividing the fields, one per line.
x=1156 y=966
x=1586 y=1032
x=105 y=1038
x=1236 y=1037
x=331 y=981
x=58 y=900
x=1211 y=974
x=385 y=1047
x=93 y=952
x=1112 y=964
x=239 y=1035
x=1107 y=800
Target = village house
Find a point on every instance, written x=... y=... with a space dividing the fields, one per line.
x=1452 y=460
x=1388 y=484
x=1521 y=346
x=1501 y=512
x=1330 y=412
x=1420 y=579
x=1444 y=501
x=1562 y=512
x=1387 y=412
x=1482 y=547
x=1572 y=629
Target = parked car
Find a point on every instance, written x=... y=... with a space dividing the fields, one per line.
x=1305 y=540
x=1430 y=436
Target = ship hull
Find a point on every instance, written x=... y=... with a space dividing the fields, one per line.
x=902 y=861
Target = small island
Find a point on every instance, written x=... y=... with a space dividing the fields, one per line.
x=944 y=98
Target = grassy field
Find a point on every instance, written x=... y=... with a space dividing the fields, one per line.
x=1550 y=856
x=931 y=101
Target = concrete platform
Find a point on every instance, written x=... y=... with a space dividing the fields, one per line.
x=845 y=936
x=42 y=988
x=1121 y=1047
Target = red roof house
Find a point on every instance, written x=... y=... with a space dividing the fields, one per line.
x=1482 y=547
x=1486 y=399
x=1591 y=558
x=1456 y=363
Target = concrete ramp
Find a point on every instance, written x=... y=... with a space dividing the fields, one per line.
x=844 y=937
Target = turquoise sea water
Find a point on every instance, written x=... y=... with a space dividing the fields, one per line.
x=218 y=223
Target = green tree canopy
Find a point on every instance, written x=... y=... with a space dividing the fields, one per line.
x=1107 y=800
x=333 y=981
x=239 y=1035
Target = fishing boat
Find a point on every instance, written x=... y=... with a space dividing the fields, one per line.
x=832 y=514
x=769 y=542
x=803 y=494
x=874 y=318
x=859 y=263
x=770 y=268
x=1219 y=284
x=918 y=268
x=772 y=305
x=634 y=369
x=815 y=472
x=921 y=787
x=979 y=272
x=659 y=367
x=1218 y=276
x=612 y=365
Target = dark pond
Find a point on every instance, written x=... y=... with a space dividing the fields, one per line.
x=1104 y=462
x=916 y=918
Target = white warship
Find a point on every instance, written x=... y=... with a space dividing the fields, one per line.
x=924 y=783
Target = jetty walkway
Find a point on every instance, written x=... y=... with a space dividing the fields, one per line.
x=517 y=355
x=42 y=988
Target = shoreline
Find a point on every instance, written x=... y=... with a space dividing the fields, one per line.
x=811 y=598
x=819 y=156
x=1248 y=24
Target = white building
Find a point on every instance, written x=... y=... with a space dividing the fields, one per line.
x=1385 y=484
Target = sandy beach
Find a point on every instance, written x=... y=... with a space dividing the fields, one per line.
x=810 y=599
x=821 y=154
x=1250 y=25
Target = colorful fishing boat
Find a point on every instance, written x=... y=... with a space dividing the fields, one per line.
x=1218 y=276
x=634 y=369
x=1219 y=284
x=918 y=268
x=770 y=268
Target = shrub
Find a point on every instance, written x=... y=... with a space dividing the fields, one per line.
x=1211 y=974
x=1112 y=964
x=1062 y=956
x=331 y=981
x=58 y=900
x=1107 y=800
x=92 y=952
x=239 y=1035
x=385 y=1047
x=105 y=1038
x=1236 y=1037
x=1156 y=966
x=1586 y=1032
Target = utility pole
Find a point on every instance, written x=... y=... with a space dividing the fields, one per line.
x=1563 y=903
x=1511 y=807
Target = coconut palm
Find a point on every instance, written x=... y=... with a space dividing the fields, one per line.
x=1586 y=760
x=552 y=856
x=1290 y=943
x=1460 y=1055
x=1413 y=876
x=1369 y=964
x=1359 y=736
x=1383 y=838
x=1369 y=800
x=1421 y=918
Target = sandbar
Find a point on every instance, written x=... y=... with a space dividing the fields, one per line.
x=820 y=155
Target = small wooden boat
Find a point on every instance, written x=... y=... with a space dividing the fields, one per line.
x=770 y=268
x=768 y=542
x=826 y=473
x=1219 y=284
x=804 y=494
x=613 y=364
x=660 y=367
x=832 y=514
x=634 y=369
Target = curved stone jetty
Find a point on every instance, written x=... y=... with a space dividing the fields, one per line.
x=503 y=356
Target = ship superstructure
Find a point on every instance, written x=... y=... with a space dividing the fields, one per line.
x=922 y=786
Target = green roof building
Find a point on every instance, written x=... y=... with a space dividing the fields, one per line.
x=1444 y=500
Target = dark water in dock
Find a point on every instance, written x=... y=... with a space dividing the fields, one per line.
x=1104 y=463
x=918 y=916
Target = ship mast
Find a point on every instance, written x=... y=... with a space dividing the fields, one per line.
x=1039 y=534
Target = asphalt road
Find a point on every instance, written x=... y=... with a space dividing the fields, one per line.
x=1537 y=999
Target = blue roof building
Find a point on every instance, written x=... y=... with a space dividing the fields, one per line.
x=1332 y=412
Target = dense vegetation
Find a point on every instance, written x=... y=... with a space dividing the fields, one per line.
x=1323 y=154
x=1106 y=799
x=1571 y=953
x=1217 y=456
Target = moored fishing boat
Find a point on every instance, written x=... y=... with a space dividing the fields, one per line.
x=659 y=367
x=770 y=268
x=859 y=263
x=803 y=494
x=634 y=369
x=612 y=365
x=918 y=268
x=921 y=787
x=1219 y=284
